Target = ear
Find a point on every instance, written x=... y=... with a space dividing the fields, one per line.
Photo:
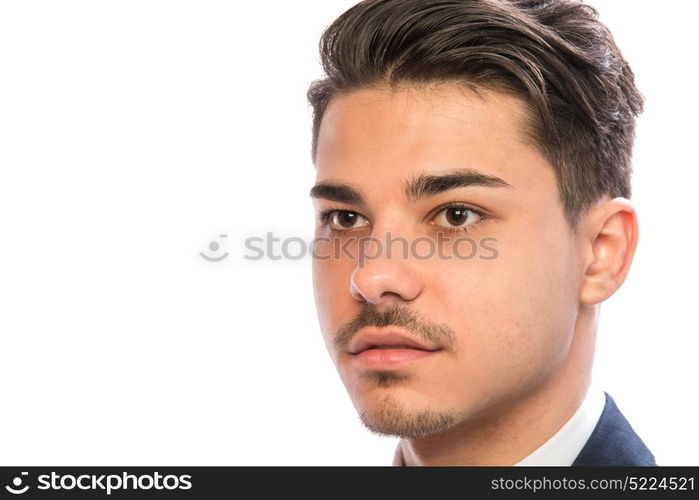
x=610 y=235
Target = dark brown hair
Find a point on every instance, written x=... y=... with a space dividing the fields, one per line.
x=554 y=54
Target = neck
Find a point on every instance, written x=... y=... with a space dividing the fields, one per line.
x=518 y=426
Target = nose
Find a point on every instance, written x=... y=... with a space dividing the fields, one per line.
x=382 y=276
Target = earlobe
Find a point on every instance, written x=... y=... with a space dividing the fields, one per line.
x=611 y=236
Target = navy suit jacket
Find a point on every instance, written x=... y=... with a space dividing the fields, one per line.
x=614 y=442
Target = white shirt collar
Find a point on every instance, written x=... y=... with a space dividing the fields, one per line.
x=564 y=446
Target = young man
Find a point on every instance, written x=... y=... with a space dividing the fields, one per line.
x=473 y=166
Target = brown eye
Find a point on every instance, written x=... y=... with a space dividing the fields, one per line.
x=341 y=220
x=457 y=217
x=346 y=219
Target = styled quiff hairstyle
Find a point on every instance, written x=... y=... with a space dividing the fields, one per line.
x=553 y=54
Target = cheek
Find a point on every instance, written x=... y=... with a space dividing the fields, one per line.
x=515 y=314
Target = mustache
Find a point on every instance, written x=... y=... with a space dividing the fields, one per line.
x=436 y=335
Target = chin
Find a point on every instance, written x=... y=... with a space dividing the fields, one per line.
x=390 y=416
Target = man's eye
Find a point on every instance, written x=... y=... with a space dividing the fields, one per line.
x=457 y=218
x=343 y=220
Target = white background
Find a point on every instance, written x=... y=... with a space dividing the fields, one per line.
x=133 y=133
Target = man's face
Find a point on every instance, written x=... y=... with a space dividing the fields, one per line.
x=436 y=339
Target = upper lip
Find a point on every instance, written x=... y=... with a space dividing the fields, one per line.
x=371 y=338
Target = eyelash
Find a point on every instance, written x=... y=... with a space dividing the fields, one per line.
x=325 y=215
x=482 y=217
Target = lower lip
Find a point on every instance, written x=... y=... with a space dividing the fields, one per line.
x=390 y=358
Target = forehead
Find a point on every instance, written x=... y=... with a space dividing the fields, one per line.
x=381 y=137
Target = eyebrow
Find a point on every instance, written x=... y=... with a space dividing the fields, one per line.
x=342 y=193
x=424 y=186
x=420 y=187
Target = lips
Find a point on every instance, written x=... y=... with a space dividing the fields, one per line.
x=390 y=339
x=384 y=349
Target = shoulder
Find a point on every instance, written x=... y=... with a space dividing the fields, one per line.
x=613 y=442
